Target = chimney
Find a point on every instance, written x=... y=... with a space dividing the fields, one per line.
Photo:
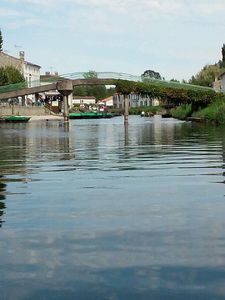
x=22 y=54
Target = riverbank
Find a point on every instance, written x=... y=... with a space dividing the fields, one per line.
x=213 y=113
x=46 y=118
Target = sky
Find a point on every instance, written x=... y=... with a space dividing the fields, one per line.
x=173 y=37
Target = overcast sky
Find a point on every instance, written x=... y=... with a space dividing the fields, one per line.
x=173 y=37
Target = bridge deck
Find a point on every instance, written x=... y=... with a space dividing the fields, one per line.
x=53 y=86
x=78 y=78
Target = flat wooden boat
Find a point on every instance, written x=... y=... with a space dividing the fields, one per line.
x=90 y=115
x=15 y=119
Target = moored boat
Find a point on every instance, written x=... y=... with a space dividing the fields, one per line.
x=90 y=115
x=15 y=119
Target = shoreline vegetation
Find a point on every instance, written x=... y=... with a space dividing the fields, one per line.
x=189 y=103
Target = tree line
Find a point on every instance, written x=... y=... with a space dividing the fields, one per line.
x=98 y=91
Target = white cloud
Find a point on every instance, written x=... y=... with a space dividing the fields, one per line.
x=5 y=12
x=153 y=6
x=133 y=33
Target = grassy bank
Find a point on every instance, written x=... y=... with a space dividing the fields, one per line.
x=214 y=112
x=182 y=112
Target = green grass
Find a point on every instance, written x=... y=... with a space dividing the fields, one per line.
x=215 y=112
x=182 y=112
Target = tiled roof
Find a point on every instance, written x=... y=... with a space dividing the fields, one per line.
x=106 y=99
x=83 y=97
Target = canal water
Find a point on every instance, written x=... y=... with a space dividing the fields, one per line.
x=96 y=210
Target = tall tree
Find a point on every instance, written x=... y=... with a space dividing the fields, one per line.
x=150 y=74
x=207 y=75
x=223 y=53
x=10 y=75
x=98 y=91
x=3 y=76
x=90 y=74
x=1 y=41
x=13 y=75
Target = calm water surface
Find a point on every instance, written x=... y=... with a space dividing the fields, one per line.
x=98 y=211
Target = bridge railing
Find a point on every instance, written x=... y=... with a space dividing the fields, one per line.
x=102 y=75
x=174 y=84
x=20 y=86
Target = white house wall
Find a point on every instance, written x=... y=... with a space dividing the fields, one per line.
x=223 y=83
x=135 y=100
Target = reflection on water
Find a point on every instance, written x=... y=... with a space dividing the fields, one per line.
x=2 y=198
x=99 y=210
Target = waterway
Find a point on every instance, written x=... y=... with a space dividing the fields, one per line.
x=96 y=210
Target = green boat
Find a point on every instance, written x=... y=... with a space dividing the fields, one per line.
x=16 y=119
x=90 y=115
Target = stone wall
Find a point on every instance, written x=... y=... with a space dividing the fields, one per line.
x=7 y=60
x=23 y=110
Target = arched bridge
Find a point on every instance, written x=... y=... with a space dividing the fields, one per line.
x=81 y=78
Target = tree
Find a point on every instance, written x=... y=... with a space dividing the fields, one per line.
x=1 y=41
x=14 y=75
x=207 y=75
x=174 y=80
x=90 y=74
x=98 y=91
x=150 y=74
x=3 y=77
x=223 y=53
x=10 y=75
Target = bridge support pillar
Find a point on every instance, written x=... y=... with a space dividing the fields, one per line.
x=65 y=87
x=126 y=109
x=65 y=109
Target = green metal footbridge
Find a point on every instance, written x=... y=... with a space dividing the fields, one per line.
x=80 y=78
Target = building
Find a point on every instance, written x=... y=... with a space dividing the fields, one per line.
x=8 y=60
x=108 y=102
x=221 y=80
x=135 y=100
x=217 y=85
x=83 y=100
x=53 y=98
x=30 y=71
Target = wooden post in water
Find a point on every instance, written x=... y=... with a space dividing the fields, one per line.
x=13 y=108
x=126 y=136
x=126 y=109
x=65 y=87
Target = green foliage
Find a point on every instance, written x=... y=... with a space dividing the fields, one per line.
x=125 y=87
x=207 y=75
x=150 y=74
x=14 y=75
x=3 y=77
x=166 y=93
x=174 y=80
x=215 y=112
x=90 y=74
x=1 y=41
x=98 y=91
x=223 y=54
x=80 y=91
x=10 y=75
x=181 y=112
